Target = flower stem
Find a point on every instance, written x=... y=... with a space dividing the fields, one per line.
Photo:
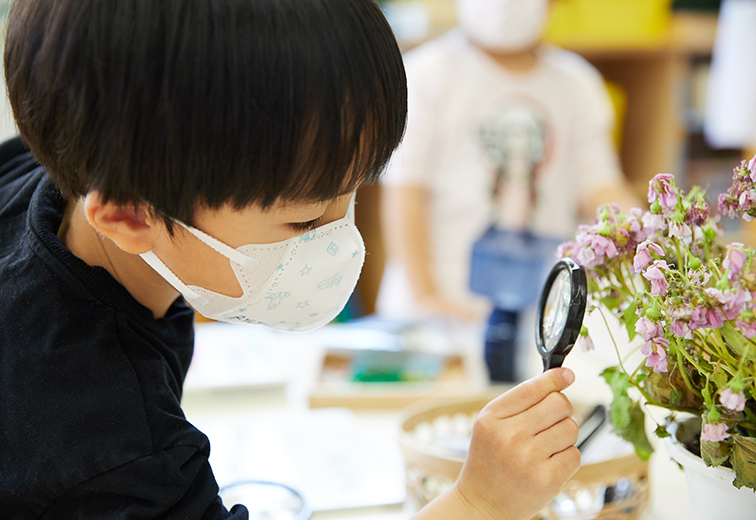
x=616 y=348
x=681 y=367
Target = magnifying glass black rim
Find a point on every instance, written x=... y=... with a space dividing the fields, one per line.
x=573 y=324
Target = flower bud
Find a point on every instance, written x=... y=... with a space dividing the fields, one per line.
x=605 y=229
x=694 y=264
x=653 y=313
x=709 y=233
x=713 y=417
x=656 y=208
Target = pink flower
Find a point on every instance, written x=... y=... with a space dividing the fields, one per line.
x=704 y=317
x=585 y=344
x=660 y=188
x=643 y=255
x=731 y=400
x=746 y=328
x=747 y=200
x=564 y=250
x=698 y=214
x=752 y=168
x=655 y=350
x=734 y=261
x=728 y=205
x=636 y=228
x=714 y=432
x=680 y=312
x=654 y=222
x=648 y=329
x=733 y=302
x=593 y=248
x=681 y=328
x=655 y=275
x=681 y=231
x=700 y=277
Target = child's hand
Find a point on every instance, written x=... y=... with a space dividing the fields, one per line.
x=522 y=449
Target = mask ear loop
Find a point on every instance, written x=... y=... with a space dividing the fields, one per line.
x=154 y=261
x=350 y=209
x=227 y=251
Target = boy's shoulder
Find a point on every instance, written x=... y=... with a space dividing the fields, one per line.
x=570 y=65
x=16 y=163
x=437 y=53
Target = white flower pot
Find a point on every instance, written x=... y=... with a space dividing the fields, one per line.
x=712 y=495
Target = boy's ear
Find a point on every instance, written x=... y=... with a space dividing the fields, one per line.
x=131 y=228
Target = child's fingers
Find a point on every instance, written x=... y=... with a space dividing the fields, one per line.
x=563 y=465
x=531 y=392
x=558 y=438
x=552 y=409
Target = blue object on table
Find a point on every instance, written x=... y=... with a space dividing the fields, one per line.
x=510 y=267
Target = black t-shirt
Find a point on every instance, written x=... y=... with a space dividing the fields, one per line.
x=91 y=425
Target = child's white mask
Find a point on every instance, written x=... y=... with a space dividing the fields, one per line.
x=295 y=285
x=503 y=25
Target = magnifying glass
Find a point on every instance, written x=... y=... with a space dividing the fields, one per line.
x=560 y=312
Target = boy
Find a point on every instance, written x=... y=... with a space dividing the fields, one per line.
x=184 y=147
x=502 y=131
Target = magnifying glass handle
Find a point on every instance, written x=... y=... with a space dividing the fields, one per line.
x=553 y=361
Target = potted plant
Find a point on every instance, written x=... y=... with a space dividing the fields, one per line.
x=691 y=302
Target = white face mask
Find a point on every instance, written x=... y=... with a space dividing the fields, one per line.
x=503 y=25
x=296 y=285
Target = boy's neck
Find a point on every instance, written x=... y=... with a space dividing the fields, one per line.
x=142 y=282
x=520 y=61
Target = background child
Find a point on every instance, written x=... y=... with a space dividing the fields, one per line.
x=502 y=131
x=184 y=147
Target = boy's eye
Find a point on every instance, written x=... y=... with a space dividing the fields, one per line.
x=306 y=226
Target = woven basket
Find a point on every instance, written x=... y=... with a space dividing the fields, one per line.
x=431 y=467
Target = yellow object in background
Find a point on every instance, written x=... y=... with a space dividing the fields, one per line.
x=608 y=22
x=618 y=95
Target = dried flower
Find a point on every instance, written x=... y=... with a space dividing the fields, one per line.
x=734 y=260
x=661 y=189
x=643 y=254
x=732 y=400
x=655 y=275
x=714 y=432
x=656 y=354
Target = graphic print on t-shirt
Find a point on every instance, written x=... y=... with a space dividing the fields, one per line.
x=514 y=137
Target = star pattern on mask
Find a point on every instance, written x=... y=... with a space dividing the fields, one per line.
x=305 y=270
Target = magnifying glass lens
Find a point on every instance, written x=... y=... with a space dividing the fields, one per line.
x=556 y=310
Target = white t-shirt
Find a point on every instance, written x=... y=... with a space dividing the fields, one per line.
x=490 y=145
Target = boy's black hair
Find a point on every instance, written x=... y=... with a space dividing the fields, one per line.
x=184 y=102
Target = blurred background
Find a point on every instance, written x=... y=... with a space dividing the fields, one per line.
x=655 y=57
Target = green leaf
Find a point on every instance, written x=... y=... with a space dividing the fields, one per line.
x=674 y=397
x=716 y=453
x=630 y=319
x=626 y=416
x=636 y=432
x=718 y=376
x=740 y=345
x=611 y=302
x=743 y=461
x=619 y=411
x=661 y=432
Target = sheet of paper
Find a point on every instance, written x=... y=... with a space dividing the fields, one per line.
x=331 y=458
x=234 y=356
